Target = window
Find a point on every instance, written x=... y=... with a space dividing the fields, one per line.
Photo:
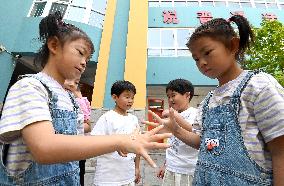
x=207 y=3
x=271 y=5
x=192 y=3
x=58 y=7
x=38 y=9
x=220 y=3
x=232 y=4
x=246 y=4
x=166 y=4
x=179 y=3
x=96 y=19
x=260 y=5
x=86 y=11
x=182 y=38
x=168 y=42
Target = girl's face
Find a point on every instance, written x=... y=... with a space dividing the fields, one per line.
x=124 y=101
x=178 y=101
x=71 y=85
x=214 y=59
x=70 y=60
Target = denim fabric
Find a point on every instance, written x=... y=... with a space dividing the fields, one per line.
x=227 y=163
x=64 y=122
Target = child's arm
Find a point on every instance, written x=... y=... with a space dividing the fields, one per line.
x=137 y=169
x=185 y=136
x=48 y=147
x=276 y=148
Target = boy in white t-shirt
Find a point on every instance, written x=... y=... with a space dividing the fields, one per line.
x=180 y=158
x=113 y=169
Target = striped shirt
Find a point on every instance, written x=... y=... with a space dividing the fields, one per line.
x=261 y=115
x=26 y=103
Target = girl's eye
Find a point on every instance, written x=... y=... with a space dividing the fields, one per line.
x=81 y=53
x=208 y=52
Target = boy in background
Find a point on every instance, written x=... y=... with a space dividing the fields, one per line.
x=112 y=168
x=180 y=158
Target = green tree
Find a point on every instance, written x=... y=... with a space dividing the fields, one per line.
x=267 y=52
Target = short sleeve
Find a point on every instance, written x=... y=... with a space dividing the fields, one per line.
x=26 y=103
x=100 y=127
x=269 y=110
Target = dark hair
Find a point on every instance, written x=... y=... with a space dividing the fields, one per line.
x=181 y=86
x=119 y=86
x=222 y=30
x=54 y=26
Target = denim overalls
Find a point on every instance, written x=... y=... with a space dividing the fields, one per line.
x=223 y=158
x=64 y=122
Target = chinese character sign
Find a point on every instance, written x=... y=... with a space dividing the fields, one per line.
x=170 y=17
x=204 y=16
x=269 y=16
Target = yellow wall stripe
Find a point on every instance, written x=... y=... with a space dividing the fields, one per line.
x=102 y=66
x=136 y=51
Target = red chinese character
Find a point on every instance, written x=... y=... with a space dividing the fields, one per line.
x=269 y=16
x=204 y=16
x=241 y=13
x=170 y=17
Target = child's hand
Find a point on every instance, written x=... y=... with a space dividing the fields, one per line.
x=140 y=143
x=161 y=172
x=170 y=123
x=137 y=176
x=166 y=113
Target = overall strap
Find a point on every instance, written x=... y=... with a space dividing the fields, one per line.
x=235 y=99
x=205 y=106
x=74 y=102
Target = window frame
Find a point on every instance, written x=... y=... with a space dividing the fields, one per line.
x=87 y=10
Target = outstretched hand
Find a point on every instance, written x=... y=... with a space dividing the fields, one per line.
x=169 y=123
x=141 y=143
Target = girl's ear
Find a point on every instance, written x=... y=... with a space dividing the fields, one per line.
x=53 y=44
x=235 y=42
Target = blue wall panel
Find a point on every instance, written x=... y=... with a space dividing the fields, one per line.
x=161 y=70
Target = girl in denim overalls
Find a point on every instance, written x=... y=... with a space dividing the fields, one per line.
x=38 y=126
x=240 y=126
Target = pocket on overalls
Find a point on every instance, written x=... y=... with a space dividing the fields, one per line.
x=215 y=139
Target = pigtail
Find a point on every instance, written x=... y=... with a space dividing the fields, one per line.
x=245 y=33
x=48 y=27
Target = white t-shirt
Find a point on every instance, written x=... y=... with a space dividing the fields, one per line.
x=261 y=115
x=113 y=169
x=181 y=158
